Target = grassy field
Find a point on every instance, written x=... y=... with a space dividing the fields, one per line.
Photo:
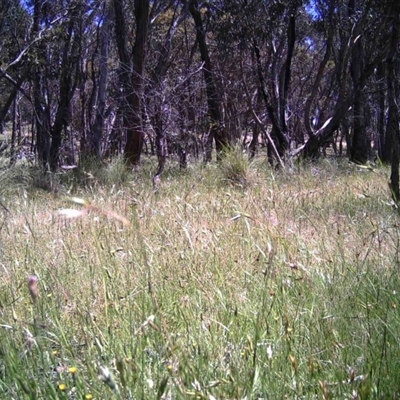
x=228 y=282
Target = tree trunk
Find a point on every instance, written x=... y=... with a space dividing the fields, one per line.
x=393 y=130
x=254 y=141
x=96 y=133
x=158 y=78
x=217 y=130
x=393 y=134
x=10 y=99
x=135 y=133
x=279 y=137
x=383 y=151
x=131 y=76
x=13 y=134
x=41 y=108
x=68 y=82
x=161 y=145
x=285 y=74
x=361 y=145
x=346 y=97
x=326 y=132
x=318 y=78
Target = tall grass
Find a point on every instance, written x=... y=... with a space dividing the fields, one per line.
x=283 y=287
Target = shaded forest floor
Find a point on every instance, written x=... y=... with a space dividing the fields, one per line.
x=231 y=281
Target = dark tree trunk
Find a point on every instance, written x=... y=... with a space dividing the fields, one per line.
x=254 y=141
x=285 y=74
x=96 y=134
x=13 y=134
x=326 y=132
x=41 y=108
x=393 y=131
x=217 y=130
x=347 y=97
x=361 y=145
x=383 y=150
x=131 y=76
x=318 y=78
x=158 y=78
x=10 y=99
x=68 y=82
x=161 y=145
x=278 y=135
x=393 y=134
x=135 y=133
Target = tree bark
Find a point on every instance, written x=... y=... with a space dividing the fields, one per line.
x=158 y=78
x=217 y=130
x=279 y=137
x=383 y=149
x=68 y=82
x=131 y=75
x=345 y=96
x=318 y=78
x=10 y=99
x=96 y=134
x=360 y=148
x=42 y=111
x=135 y=133
x=393 y=91
x=285 y=74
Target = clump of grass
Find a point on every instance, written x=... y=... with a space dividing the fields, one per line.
x=14 y=179
x=115 y=173
x=24 y=177
x=234 y=166
x=95 y=173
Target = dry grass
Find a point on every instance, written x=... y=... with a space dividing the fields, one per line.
x=285 y=286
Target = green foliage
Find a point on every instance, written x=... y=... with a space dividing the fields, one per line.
x=288 y=289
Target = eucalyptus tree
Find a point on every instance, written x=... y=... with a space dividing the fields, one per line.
x=58 y=26
x=166 y=18
x=131 y=74
x=393 y=94
x=321 y=40
x=14 y=23
x=217 y=131
x=383 y=145
x=265 y=36
x=358 y=46
x=100 y=82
